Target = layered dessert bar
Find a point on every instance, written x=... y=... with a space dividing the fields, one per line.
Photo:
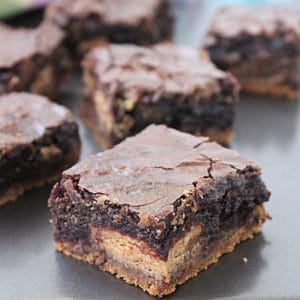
x=32 y=59
x=158 y=208
x=93 y=22
x=38 y=140
x=260 y=46
x=128 y=87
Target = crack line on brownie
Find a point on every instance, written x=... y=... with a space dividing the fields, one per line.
x=152 y=202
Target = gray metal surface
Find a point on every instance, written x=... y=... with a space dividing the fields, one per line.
x=266 y=130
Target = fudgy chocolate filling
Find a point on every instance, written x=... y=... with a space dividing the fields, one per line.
x=222 y=204
x=177 y=111
x=27 y=162
x=191 y=119
x=247 y=47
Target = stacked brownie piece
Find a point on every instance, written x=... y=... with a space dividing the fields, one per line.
x=32 y=60
x=38 y=140
x=260 y=46
x=93 y=22
x=158 y=208
x=128 y=87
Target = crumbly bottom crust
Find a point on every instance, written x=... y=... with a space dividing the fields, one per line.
x=156 y=286
x=261 y=87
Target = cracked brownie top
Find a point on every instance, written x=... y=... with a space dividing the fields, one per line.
x=40 y=41
x=111 y=12
x=235 y=20
x=162 y=70
x=26 y=117
x=150 y=171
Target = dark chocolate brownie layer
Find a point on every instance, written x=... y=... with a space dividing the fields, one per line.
x=31 y=59
x=247 y=41
x=38 y=139
x=154 y=187
x=117 y=21
x=129 y=87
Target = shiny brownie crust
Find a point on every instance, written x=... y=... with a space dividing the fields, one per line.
x=155 y=198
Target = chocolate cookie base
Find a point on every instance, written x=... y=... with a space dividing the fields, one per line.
x=121 y=255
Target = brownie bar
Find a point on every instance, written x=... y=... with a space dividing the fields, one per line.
x=128 y=87
x=31 y=59
x=260 y=46
x=158 y=208
x=90 y=23
x=38 y=140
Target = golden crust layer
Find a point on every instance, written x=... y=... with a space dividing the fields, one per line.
x=140 y=267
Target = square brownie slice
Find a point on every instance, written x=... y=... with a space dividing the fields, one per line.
x=38 y=140
x=128 y=87
x=32 y=60
x=260 y=46
x=158 y=208
x=92 y=22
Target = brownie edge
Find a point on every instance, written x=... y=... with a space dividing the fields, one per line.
x=38 y=140
x=158 y=211
x=127 y=87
